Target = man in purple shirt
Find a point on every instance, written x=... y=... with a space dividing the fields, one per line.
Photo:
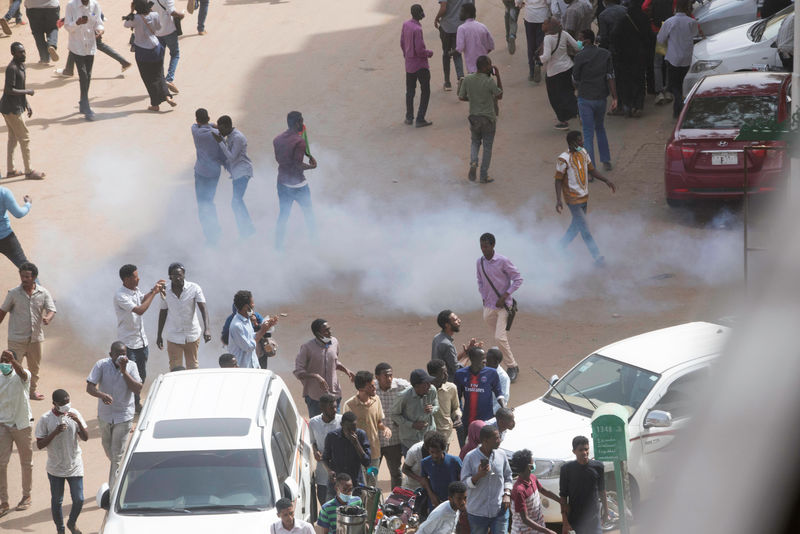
x=498 y=271
x=417 y=68
x=290 y=150
x=473 y=38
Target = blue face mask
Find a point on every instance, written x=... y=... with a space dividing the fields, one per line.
x=6 y=368
x=580 y=45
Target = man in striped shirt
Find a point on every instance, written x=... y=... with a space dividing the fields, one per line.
x=344 y=497
x=476 y=384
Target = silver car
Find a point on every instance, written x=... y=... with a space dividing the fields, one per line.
x=715 y=16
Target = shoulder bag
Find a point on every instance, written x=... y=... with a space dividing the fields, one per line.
x=512 y=311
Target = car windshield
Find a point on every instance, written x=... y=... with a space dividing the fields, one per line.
x=598 y=380
x=767 y=29
x=728 y=112
x=195 y=481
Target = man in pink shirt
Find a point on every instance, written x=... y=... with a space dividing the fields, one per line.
x=417 y=68
x=473 y=38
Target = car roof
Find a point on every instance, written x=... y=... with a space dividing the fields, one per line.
x=742 y=83
x=660 y=350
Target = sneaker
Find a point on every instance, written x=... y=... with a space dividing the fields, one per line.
x=537 y=73
x=668 y=97
x=89 y=115
x=448 y=86
x=487 y=180
x=62 y=72
x=409 y=121
x=660 y=98
x=473 y=172
x=24 y=504
x=423 y=123
x=20 y=22
x=561 y=126
x=513 y=373
x=607 y=166
x=35 y=175
x=512 y=45
x=53 y=53
x=4 y=26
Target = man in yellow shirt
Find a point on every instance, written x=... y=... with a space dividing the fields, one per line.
x=369 y=412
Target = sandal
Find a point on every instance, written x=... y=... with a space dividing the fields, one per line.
x=152 y=108
x=34 y=175
x=12 y=174
x=171 y=102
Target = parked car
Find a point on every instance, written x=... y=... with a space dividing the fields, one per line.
x=747 y=47
x=702 y=158
x=715 y=16
x=652 y=375
x=213 y=451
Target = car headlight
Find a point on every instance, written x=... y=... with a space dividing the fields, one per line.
x=547 y=468
x=706 y=64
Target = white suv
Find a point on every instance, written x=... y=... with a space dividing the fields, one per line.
x=654 y=375
x=213 y=451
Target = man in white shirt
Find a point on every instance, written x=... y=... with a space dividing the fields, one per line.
x=58 y=431
x=178 y=315
x=242 y=339
x=534 y=13
x=130 y=304
x=493 y=358
x=444 y=518
x=234 y=148
x=678 y=33
x=168 y=36
x=83 y=21
x=15 y=428
x=287 y=524
x=320 y=426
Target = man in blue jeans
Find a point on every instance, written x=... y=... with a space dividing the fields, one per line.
x=290 y=151
x=168 y=37
x=593 y=73
x=201 y=15
x=206 y=173
x=234 y=148
x=487 y=474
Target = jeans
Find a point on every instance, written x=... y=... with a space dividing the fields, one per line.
x=202 y=14
x=57 y=497
x=424 y=77
x=535 y=37
x=658 y=73
x=448 y=51
x=13 y=11
x=482 y=525
x=593 y=116
x=512 y=12
x=114 y=437
x=11 y=249
x=482 y=130
x=394 y=459
x=314 y=408
x=84 y=65
x=579 y=224
x=675 y=76
x=240 y=213
x=286 y=196
x=43 y=22
x=101 y=47
x=205 y=189
x=171 y=41
x=140 y=357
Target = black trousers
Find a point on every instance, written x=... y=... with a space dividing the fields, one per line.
x=43 y=21
x=630 y=78
x=448 y=51
x=535 y=37
x=84 y=66
x=561 y=94
x=423 y=76
x=675 y=76
x=152 y=73
x=11 y=249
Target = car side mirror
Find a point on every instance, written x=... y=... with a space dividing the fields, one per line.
x=104 y=497
x=774 y=44
x=658 y=419
x=553 y=380
x=290 y=489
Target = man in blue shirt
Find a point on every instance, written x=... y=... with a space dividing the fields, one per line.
x=242 y=339
x=234 y=147
x=476 y=384
x=440 y=469
x=9 y=244
x=206 y=173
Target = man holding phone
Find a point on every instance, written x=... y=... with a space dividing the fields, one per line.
x=487 y=474
x=482 y=93
x=83 y=21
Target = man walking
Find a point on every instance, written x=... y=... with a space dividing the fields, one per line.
x=83 y=21
x=30 y=308
x=510 y=18
x=482 y=93
x=129 y=305
x=582 y=488
x=473 y=38
x=15 y=428
x=316 y=366
x=573 y=169
x=387 y=390
x=320 y=426
x=178 y=315
x=678 y=33
x=207 y=169
x=498 y=278
x=290 y=150
x=242 y=339
x=414 y=409
x=114 y=380
x=43 y=16
x=168 y=37
x=593 y=73
x=234 y=148
x=13 y=104
x=58 y=431
x=447 y=20
x=534 y=13
x=417 y=68
x=488 y=476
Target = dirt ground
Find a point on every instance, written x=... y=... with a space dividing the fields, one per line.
x=389 y=199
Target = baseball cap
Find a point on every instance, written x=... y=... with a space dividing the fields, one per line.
x=419 y=376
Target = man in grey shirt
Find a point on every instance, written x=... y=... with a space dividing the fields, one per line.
x=206 y=173
x=234 y=147
x=487 y=474
x=447 y=21
x=577 y=17
x=443 y=348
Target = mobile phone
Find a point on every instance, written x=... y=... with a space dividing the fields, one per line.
x=484 y=462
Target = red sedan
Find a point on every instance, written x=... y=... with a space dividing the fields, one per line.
x=702 y=159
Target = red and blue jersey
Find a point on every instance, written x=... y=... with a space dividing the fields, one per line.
x=475 y=392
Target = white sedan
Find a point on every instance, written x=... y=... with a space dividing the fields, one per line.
x=747 y=47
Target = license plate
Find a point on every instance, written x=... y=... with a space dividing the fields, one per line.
x=725 y=158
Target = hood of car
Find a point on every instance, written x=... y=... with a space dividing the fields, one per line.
x=714 y=8
x=545 y=430
x=194 y=523
x=733 y=41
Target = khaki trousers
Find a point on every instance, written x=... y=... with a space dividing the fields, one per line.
x=18 y=133
x=114 y=437
x=32 y=352
x=179 y=351
x=8 y=437
x=496 y=319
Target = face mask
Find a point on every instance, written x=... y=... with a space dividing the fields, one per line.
x=343 y=497
x=64 y=409
x=6 y=368
x=580 y=45
x=325 y=340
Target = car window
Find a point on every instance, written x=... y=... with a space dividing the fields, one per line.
x=286 y=411
x=179 y=481
x=283 y=446
x=728 y=112
x=772 y=27
x=681 y=395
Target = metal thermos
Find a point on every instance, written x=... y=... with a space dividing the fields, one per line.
x=351 y=520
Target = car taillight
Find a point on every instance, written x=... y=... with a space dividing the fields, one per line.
x=673 y=151
x=687 y=152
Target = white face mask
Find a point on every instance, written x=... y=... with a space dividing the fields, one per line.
x=325 y=339
x=343 y=497
x=64 y=409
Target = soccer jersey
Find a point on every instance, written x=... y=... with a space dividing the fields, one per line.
x=476 y=393
x=572 y=170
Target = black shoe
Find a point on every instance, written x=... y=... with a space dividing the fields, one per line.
x=448 y=86
x=74 y=529
x=487 y=180
x=473 y=173
x=512 y=46
x=423 y=123
x=513 y=373
x=89 y=115
x=409 y=121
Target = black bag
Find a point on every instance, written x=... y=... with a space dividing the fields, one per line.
x=512 y=311
x=178 y=28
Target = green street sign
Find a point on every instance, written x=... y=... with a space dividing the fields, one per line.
x=610 y=433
